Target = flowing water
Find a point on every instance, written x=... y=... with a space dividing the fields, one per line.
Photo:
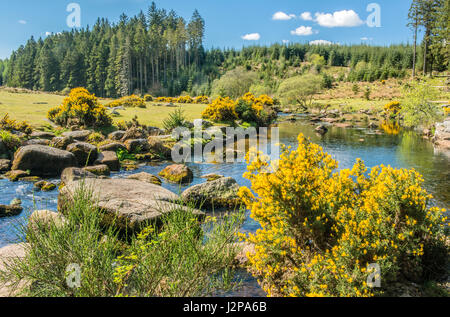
x=403 y=150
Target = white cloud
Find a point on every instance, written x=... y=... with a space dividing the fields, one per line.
x=321 y=42
x=48 y=33
x=22 y=22
x=365 y=38
x=306 y=16
x=303 y=31
x=285 y=41
x=344 y=18
x=251 y=37
x=281 y=16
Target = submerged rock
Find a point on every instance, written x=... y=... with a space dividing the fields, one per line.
x=322 y=129
x=177 y=173
x=45 y=186
x=219 y=193
x=127 y=204
x=43 y=160
x=10 y=210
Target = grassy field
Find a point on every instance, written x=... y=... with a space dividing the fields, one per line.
x=33 y=107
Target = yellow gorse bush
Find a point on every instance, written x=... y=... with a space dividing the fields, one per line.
x=321 y=228
x=8 y=124
x=81 y=108
x=132 y=101
x=392 y=107
x=201 y=100
x=220 y=110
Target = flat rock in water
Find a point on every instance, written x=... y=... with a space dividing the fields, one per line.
x=219 y=193
x=133 y=202
x=10 y=210
x=42 y=160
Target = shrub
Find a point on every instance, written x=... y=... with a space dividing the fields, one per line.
x=233 y=83
x=166 y=99
x=132 y=101
x=182 y=257
x=8 y=124
x=201 y=100
x=255 y=110
x=299 y=90
x=11 y=141
x=355 y=89
x=95 y=138
x=185 y=99
x=81 y=108
x=416 y=106
x=148 y=98
x=176 y=119
x=221 y=110
x=392 y=108
x=367 y=93
x=321 y=228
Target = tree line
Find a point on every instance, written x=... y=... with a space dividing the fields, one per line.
x=161 y=53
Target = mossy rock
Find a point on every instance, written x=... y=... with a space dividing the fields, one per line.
x=45 y=186
x=32 y=179
x=15 y=175
x=177 y=173
x=146 y=177
x=99 y=170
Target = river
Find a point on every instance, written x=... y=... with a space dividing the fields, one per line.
x=403 y=150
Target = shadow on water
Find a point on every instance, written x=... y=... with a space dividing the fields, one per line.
x=403 y=150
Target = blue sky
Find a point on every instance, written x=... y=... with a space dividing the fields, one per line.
x=228 y=22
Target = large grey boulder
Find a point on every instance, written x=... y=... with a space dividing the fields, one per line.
x=43 y=160
x=127 y=204
x=85 y=153
x=219 y=193
x=78 y=135
x=75 y=173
